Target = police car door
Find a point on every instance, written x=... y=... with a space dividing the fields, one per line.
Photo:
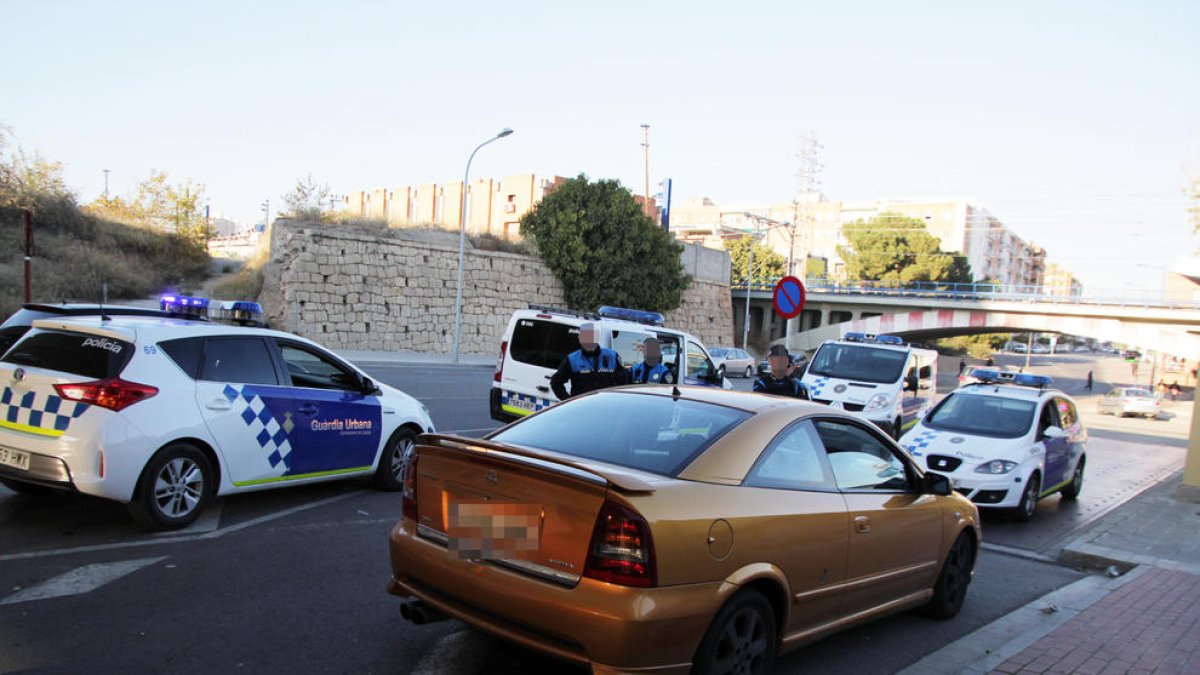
x=1057 y=449
x=699 y=369
x=338 y=427
x=627 y=343
x=246 y=408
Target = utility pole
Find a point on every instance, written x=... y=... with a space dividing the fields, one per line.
x=28 y=254
x=806 y=186
x=106 y=172
x=266 y=213
x=646 y=158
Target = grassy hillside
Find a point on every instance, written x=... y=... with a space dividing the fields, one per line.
x=76 y=253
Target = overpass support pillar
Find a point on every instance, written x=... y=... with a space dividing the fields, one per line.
x=1190 y=488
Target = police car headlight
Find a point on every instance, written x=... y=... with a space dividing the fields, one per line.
x=878 y=402
x=996 y=467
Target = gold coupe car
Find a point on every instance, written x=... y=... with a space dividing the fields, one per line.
x=660 y=529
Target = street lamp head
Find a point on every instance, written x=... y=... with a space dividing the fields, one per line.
x=504 y=132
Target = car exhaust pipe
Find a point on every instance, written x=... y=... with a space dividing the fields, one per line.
x=419 y=613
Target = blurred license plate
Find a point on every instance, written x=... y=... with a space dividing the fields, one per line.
x=494 y=530
x=522 y=403
x=14 y=458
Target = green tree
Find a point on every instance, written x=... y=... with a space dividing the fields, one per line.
x=897 y=249
x=768 y=265
x=604 y=249
x=308 y=200
x=160 y=204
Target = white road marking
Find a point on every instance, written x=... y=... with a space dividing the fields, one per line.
x=80 y=580
x=177 y=539
x=458 y=653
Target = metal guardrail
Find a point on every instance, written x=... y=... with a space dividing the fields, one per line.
x=980 y=293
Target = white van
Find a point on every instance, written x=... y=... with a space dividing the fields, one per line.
x=889 y=382
x=539 y=338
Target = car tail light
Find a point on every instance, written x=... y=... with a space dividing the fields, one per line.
x=114 y=393
x=500 y=361
x=408 y=493
x=621 y=551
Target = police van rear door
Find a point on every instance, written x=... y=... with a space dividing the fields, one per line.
x=539 y=343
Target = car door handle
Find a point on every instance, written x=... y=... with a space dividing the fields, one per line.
x=219 y=404
x=544 y=390
x=307 y=410
x=862 y=524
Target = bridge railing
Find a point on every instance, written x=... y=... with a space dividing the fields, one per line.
x=981 y=293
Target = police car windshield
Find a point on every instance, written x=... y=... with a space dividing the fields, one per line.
x=995 y=416
x=862 y=363
x=646 y=432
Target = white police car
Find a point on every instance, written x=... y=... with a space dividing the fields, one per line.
x=165 y=414
x=1004 y=441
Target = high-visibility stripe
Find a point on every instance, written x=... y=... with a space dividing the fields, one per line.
x=515 y=410
x=315 y=474
x=52 y=433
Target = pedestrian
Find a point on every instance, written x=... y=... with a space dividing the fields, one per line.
x=1088 y=386
x=651 y=370
x=1174 y=388
x=588 y=368
x=962 y=365
x=780 y=381
x=991 y=362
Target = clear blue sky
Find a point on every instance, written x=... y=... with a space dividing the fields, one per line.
x=1071 y=121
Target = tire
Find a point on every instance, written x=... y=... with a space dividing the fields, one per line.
x=950 y=590
x=176 y=486
x=741 y=639
x=389 y=475
x=21 y=487
x=748 y=372
x=1029 y=499
x=1070 y=491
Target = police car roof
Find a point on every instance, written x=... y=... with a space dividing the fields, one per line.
x=133 y=328
x=1016 y=391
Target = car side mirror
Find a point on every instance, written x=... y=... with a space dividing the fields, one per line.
x=1053 y=432
x=937 y=484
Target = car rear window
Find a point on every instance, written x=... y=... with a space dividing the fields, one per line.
x=542 y=343
x=983 y=415
x=646 y=432
x=91 y=356
x=1138 y=393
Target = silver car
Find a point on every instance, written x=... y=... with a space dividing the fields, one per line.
x=1124 y=401
x=732 y=362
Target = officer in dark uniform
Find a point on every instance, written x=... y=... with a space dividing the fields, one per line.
x=651 y=370
x=780 y=381
x=589 y=368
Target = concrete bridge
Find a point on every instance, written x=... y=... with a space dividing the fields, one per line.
x=928 y=312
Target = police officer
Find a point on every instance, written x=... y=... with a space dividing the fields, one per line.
x=780 y=381
x=589 y=368
x=651 y=370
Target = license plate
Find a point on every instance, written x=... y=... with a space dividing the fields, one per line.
x=522 y=404
x=14 y=458
x=494 y=530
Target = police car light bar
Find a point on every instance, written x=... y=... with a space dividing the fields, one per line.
x=241 y=312
x=871 y=337
x=1004 y=377
x=185 y=305
x=635 y=315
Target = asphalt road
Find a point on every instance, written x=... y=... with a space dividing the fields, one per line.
x=294 y=579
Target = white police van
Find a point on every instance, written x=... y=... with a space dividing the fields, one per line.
x=538 y=339
x=891 y=383
x=1005 y=441
x=165 y=414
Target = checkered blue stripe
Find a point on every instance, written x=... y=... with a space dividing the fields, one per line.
x=511 y=398
x=39 y=409
x=818 y=384
x=917 y=445
x=270 y=433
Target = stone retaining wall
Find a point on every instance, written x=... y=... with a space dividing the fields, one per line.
x=350 y=289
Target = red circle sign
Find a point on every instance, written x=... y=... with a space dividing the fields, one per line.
x=788 y=297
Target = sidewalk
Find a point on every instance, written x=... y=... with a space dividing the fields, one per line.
x=1144 y=621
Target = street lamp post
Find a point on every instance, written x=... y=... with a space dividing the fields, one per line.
x=462 y=239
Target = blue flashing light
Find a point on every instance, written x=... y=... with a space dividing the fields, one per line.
x=635 y=315
x=985 y=376
x=184 y=304
x=876 y=339
x=241 y=312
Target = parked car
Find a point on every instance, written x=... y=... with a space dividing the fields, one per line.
x=613 y=545
x=732 y=361
x=1123 y=401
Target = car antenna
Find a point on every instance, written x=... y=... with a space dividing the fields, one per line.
x=104 y=296
x=675 y=393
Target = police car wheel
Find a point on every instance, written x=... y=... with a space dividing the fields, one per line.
x=1070 y=491
x=174 y=489
x=389 y=475
x=24 y=488
x=951 y=587
x=1029 y=499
